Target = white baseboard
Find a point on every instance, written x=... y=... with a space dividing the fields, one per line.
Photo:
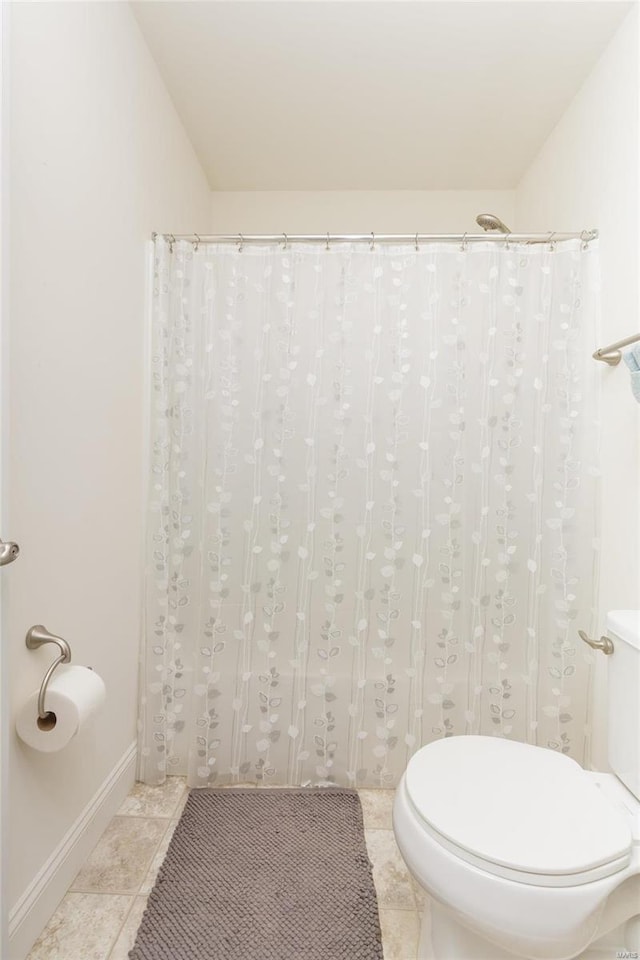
x=34 y=908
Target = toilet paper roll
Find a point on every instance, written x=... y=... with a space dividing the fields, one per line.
x=73 y=695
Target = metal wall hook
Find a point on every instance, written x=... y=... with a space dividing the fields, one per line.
x=36 y=637
x=604 y=643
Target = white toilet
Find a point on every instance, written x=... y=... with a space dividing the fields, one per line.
x=521 y=851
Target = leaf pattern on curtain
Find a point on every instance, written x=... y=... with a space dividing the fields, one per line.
x=372 y=507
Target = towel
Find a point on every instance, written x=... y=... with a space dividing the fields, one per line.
x=632 y=359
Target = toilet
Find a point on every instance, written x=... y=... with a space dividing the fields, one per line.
x=521 y=852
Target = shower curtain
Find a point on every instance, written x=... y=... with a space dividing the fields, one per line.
x=372 y=506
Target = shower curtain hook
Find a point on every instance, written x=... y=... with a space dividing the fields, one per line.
x=506 y=241
x=172 y=240
x=373 y=241
x=197 y=243
x=463 y=245
x=285 y=241
x=552 y=244
x=327 y=244
x=416 y=243
x=584 y=236
x=240 y=242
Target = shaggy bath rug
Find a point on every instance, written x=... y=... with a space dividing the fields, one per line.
x=274 y=874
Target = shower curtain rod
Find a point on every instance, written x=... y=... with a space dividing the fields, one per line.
x=372 y=238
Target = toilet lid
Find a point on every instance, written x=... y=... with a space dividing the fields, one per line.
x=526 y=808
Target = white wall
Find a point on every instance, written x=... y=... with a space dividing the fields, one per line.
x=99 y=159
x=5 y=519
x=586 y=175
x=357 y=211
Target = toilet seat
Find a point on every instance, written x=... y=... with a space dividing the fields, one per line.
x=517 y=811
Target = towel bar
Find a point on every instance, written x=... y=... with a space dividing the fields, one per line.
x=611 y=354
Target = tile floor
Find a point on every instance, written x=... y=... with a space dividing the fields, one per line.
x=99 y=916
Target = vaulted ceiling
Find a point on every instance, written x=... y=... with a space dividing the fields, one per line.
x=373 y=94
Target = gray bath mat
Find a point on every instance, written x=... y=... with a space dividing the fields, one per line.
x=264 y=875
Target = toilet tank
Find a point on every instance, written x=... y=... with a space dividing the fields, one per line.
x=623 y=627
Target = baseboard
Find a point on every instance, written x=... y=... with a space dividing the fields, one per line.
x=34 y=908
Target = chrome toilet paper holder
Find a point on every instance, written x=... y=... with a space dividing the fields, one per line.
x=36 y=637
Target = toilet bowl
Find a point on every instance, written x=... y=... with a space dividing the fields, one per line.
x=522 y=852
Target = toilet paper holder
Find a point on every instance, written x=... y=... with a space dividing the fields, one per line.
x=36 y=637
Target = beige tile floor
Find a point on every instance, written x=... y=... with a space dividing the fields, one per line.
x=99 y=916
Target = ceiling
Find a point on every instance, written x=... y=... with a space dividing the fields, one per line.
x=376 y=94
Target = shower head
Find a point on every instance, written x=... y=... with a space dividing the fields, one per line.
x=491 y=224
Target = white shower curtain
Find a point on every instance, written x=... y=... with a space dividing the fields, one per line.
x=373 y=506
